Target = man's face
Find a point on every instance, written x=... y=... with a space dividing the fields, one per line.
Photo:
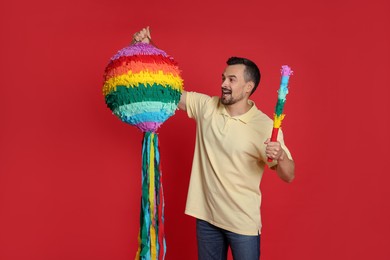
x=233 y=84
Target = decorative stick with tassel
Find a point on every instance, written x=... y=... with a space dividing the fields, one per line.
x=282 y=93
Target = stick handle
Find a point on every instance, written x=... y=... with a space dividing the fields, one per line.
x=274 y=137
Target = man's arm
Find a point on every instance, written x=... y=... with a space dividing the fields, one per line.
x=144 y=36
x=285 y=167
x=182 y=102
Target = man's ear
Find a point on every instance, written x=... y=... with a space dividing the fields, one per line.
x=249 y=86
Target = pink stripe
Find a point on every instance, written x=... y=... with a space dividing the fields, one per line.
x=139 y=49
x=148 y=126
x=286 y=70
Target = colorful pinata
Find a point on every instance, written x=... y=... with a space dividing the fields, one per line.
x=142 y=87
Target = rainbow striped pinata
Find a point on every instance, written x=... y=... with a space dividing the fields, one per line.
x=142 y=87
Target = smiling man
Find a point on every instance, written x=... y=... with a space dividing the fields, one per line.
x=231 y=151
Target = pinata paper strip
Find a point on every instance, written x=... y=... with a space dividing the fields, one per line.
x=136 y=64
x=151 y=238
x=282 y=93
x=139 y=48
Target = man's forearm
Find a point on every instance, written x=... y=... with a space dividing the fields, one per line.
x=285 y=168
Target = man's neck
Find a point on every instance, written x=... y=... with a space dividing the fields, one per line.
x=239 y=108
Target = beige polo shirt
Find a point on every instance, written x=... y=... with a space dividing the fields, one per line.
x=228 y=164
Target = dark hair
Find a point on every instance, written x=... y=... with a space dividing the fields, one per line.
x=251 y=73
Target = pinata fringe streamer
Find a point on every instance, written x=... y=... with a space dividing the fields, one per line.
x=151 y=238
x=282 y=93
x=133 y=80
x=278 y=120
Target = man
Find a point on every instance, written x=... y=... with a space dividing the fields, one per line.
x=231 y=151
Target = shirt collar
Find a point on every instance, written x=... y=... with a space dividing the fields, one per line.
x=244 y=117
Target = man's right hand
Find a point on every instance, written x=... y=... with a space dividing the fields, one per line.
x=142 y=36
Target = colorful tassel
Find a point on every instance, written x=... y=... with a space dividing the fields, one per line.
x=152 y=238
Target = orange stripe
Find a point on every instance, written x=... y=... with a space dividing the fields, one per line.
x=136 y=67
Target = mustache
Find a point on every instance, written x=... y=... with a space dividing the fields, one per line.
x=226 y=90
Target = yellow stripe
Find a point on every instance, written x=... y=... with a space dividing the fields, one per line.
x=144 y=77
x=278 y=120
x=139 y=246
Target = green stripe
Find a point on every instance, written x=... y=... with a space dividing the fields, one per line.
x=279 y=107
x=127 y=95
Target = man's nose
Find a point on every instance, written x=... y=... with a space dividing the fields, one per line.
x=224 y=83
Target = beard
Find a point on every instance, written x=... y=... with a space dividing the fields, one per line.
x=228 y=99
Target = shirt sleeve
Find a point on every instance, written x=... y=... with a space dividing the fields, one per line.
x=196 y=104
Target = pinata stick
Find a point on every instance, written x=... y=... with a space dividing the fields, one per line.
x=282 y=93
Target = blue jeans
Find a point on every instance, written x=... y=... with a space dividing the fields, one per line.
x=213 y=243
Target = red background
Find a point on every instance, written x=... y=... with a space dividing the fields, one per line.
x=70 y=170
